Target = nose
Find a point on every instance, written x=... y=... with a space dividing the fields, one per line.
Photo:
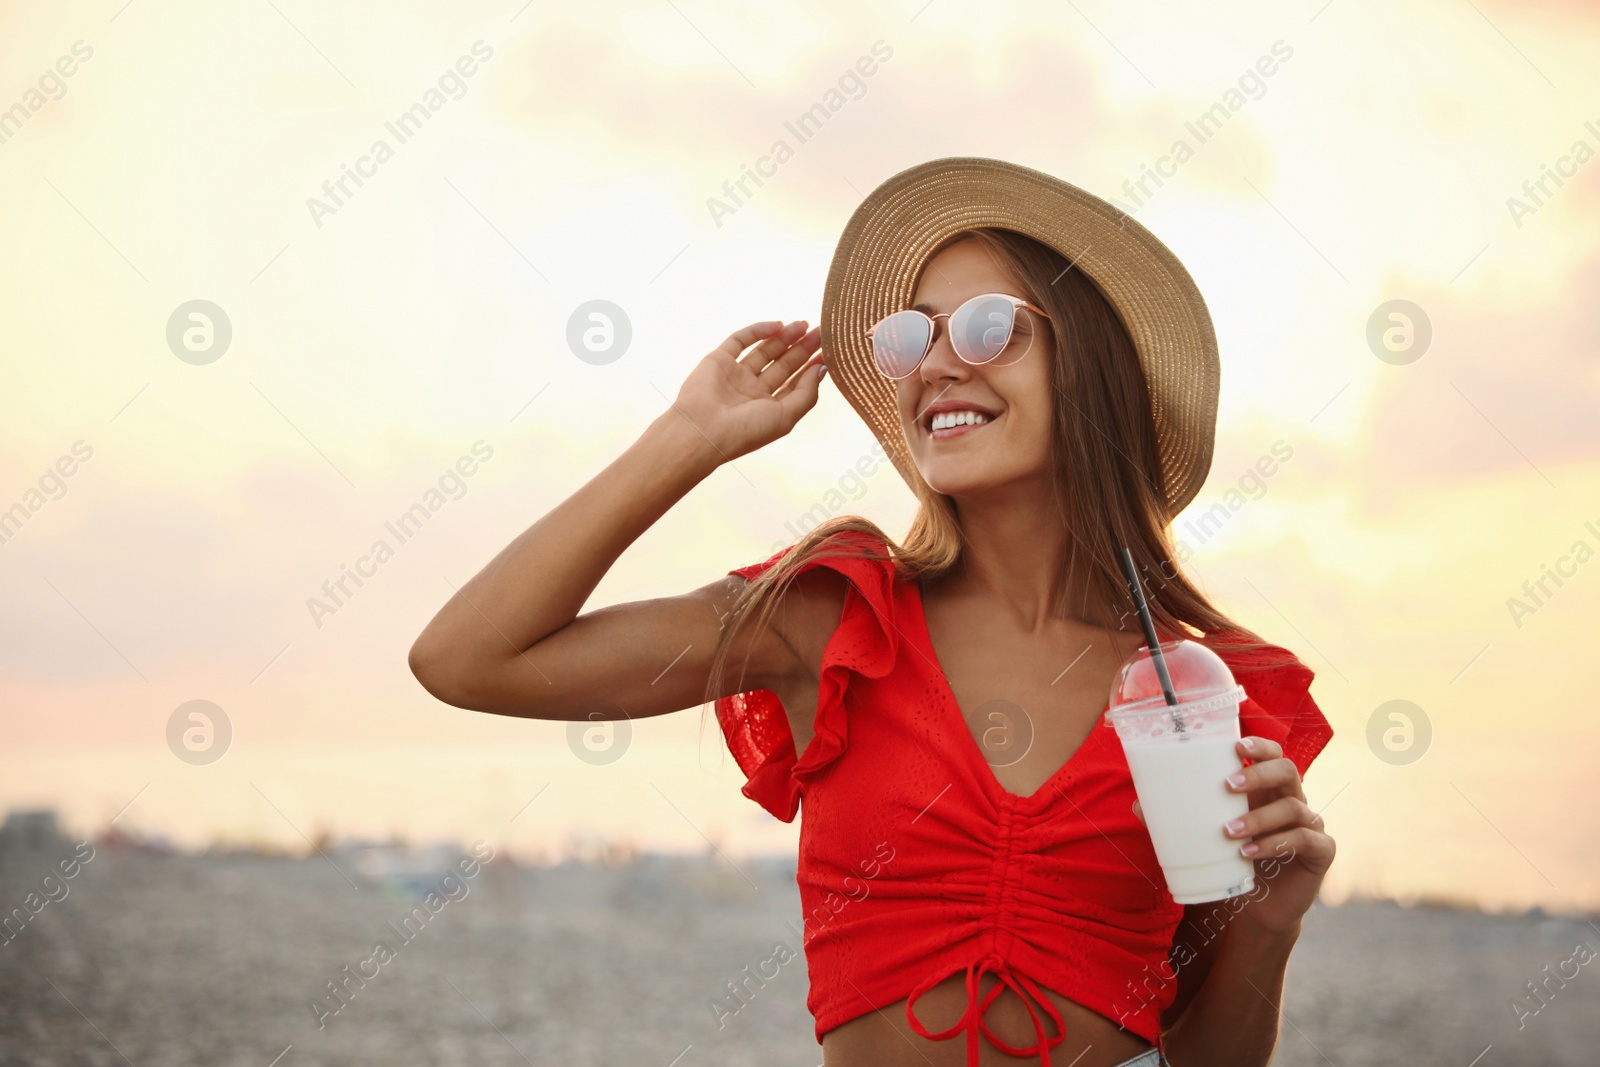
x=941 y=363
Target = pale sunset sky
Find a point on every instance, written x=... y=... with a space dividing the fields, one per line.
x=386 y=340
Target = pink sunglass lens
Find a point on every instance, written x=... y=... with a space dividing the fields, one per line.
x=980 y=329
x=899 y=342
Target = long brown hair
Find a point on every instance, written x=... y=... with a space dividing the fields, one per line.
x=1108 y=486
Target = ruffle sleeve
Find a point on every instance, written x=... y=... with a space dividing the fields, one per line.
x=1278 y=703
x=864 y=643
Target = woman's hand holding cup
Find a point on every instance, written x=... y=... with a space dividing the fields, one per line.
x=1281 y=833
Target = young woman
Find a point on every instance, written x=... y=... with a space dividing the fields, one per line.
x=972 y=859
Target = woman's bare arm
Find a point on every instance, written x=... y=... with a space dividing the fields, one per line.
x=510 y=641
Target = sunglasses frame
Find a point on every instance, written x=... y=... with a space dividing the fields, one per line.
x=933 y=327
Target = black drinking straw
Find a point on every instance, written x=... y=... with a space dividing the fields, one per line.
x=1137 y=591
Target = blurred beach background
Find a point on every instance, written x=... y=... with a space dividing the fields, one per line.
x=242 y=959
x=288 y=283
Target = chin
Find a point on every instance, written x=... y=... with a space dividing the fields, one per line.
x=967 y=478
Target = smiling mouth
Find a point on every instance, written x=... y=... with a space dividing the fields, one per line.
x=947 y=424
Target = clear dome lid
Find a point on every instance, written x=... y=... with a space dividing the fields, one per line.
x=1199 y=677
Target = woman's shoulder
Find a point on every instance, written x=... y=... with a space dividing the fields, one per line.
x=835 y=611
x=821 y=579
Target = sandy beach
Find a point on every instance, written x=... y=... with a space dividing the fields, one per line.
x=226 y=961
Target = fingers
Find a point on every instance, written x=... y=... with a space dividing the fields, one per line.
x=799 y=394
x=783 y=365
x=1259 y=748
x=1281 y=814
x=741 y=339
x=1277 y=773
x=1310 y=847
x=773 y=346
x=1137 y=810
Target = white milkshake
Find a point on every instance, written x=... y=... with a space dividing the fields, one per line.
x=1179 y=756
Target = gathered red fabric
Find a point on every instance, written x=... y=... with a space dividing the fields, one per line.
x=916 y=864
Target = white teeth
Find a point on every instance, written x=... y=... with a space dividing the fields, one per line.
x=946 y=419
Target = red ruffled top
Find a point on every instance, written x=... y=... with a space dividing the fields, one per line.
x=915 y=863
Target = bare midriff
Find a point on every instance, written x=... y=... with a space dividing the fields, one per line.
x=884 y=1038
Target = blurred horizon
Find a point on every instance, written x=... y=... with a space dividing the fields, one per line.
x=397 y=850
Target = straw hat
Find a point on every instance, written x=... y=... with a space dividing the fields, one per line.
x=888 y=241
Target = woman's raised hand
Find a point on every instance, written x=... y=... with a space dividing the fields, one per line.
x=739 y=400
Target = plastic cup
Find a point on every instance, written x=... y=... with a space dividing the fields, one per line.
x=1179 y=755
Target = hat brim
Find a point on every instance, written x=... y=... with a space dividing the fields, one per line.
x=890 y=236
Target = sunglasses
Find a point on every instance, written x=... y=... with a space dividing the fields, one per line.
x=980 y=329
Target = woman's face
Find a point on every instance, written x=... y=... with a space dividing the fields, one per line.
x=1013 y=391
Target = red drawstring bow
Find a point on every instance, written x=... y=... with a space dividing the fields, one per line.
x=972 y=1019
